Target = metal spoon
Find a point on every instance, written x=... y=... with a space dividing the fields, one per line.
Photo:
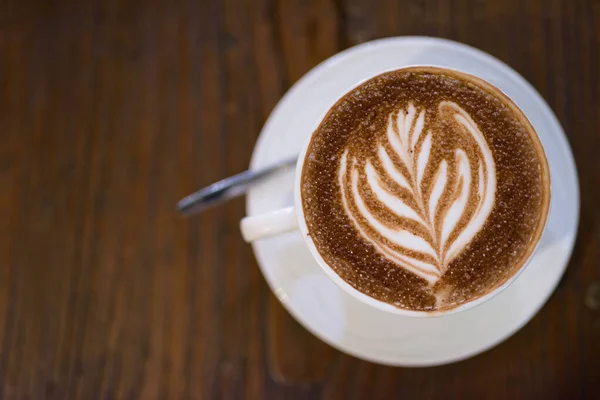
x=228 y=188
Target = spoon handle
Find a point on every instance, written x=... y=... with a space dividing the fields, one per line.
x=227 y=188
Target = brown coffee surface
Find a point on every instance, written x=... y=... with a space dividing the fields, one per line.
x=425 y=188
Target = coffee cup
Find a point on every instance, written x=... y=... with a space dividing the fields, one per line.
x=294 y=218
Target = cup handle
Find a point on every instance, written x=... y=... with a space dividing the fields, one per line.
x=268 y=224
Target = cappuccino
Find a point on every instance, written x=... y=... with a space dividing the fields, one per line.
x=425 y=188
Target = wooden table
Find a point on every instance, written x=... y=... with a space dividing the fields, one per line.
x=110 y=111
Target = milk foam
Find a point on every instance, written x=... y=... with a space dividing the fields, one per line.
x=439 y=205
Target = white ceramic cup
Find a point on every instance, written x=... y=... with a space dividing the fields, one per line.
x=292 y=218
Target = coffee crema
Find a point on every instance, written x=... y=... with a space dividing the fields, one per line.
x=425 y=188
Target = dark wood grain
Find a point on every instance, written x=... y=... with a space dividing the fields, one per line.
x=112 y=110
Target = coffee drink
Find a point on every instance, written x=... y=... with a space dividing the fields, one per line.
x=425 y=188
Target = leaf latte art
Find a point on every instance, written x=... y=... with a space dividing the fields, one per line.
x=425 y=188
x=420 y=199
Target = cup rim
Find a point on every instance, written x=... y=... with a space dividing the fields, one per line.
x=381 y=305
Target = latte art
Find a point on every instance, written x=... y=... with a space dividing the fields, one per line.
x=419 y=210
x=425 y=188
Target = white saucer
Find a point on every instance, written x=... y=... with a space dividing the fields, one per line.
x=343 y=322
